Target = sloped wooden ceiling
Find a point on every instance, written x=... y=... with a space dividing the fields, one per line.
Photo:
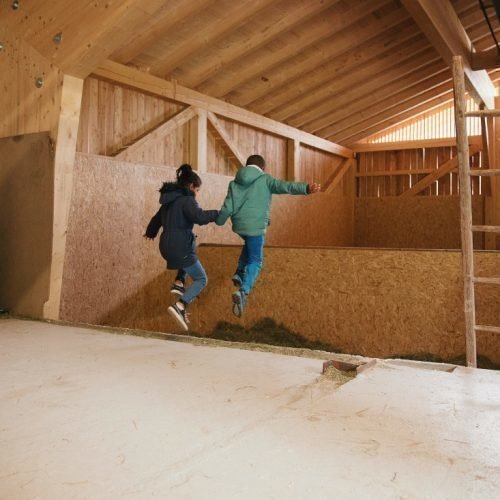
x=341 y=69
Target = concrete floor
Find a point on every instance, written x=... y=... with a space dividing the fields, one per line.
x=88 y=414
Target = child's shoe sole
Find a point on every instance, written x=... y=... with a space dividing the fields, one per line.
x=178 y=318
x=176 y=292
x=237 y=304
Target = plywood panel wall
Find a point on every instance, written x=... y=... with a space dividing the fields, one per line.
x=414 y=222
x=107 y=260
x=24 y=108
x=378 y=303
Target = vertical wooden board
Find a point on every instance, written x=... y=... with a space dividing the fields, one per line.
x=116 y=141
x=83 y=143
x=93 y=118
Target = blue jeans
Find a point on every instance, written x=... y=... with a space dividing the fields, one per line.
x=199 y=277
x=250 y=261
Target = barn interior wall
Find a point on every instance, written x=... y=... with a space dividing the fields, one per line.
x=26 y=191
x=113 y=116
x=413 y=222
x=107 y=260
x=25 y=107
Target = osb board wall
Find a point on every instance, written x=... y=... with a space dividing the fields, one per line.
x=26 y=194
x=416 y=222
x=414 y=160
x=24 y=108
x=108 y=261
x=113 y=116
x=377 y=303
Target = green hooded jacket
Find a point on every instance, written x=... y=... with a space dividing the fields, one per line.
x=248 y=200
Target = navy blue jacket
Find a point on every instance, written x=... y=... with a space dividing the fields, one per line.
x=178 y=213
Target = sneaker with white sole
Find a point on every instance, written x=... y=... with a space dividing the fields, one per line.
x=239 y=300
x=180 y=315
x=177 y=289
x=237 y=281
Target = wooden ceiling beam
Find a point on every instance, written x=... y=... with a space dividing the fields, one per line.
x=274 y=21
x=181 y=43
x=169 y=15
x=400 y=115
x=403 y=103
x=326 y=58
x=90 y=30
x=292 y=95
x=131 y=77
x=304 y=35
x=348 y=100
x=442 y=26
x=338 y=112
x=312 y=94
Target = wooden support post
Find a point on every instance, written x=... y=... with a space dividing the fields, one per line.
x=198 y=143
x=293 y=159
x=64 y=159
x=465 y=210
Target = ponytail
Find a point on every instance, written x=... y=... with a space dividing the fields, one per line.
x=186 y=176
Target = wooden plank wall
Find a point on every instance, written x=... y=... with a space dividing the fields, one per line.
x=24 y=108
x=369 y=184
x=113 y=116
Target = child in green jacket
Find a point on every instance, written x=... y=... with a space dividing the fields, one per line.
x=248 y=203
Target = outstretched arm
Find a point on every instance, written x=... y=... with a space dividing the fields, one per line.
x=226 y=210
x=153 y=226
x=196 y=215
x=278 y=186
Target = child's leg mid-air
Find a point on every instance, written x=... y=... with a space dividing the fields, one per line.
x=241 y=269
x=178 y=288
x=200 y=280
x=253 y=249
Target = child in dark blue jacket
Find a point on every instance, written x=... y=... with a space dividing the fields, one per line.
x=178 y=213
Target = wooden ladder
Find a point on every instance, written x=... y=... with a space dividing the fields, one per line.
x=467 y=229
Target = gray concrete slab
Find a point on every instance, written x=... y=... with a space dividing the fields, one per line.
x=89 y=414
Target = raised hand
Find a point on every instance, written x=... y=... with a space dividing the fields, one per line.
x=314 y=188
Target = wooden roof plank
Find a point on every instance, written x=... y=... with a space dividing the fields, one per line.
x=442 y=26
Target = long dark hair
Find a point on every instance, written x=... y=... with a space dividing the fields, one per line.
x=186 y=176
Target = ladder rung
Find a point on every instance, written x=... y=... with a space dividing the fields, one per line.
x=484 y=328
x=483 y=112
x=487 y=229
x=485 y=171
x=490 y=281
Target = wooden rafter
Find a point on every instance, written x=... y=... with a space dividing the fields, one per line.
x=334 y=180
x=342 y=15
x=229 y=144
x=397 y=146
x=223 y=53
x=443 y=169
x=137 y=79
x=315 y=88
x=442 y=26
x=91 y=31
x=149 y=140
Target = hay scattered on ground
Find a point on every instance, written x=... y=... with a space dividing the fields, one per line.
x=338 y=376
